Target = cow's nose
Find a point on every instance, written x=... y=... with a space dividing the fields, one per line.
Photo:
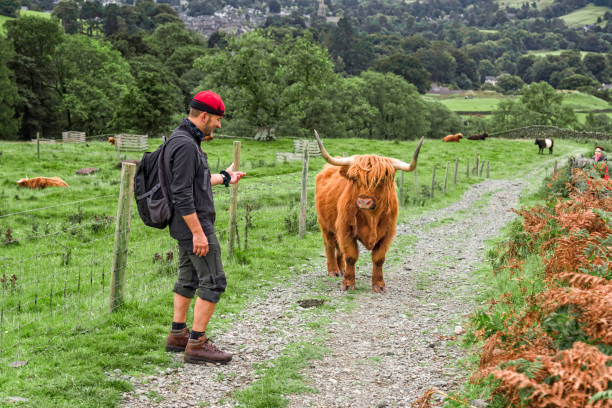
x=365 y=203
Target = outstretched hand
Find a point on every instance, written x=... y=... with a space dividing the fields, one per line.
x=235 y=175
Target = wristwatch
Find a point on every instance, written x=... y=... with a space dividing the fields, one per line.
x=226 y=177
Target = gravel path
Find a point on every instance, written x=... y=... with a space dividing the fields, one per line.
x=383 y=350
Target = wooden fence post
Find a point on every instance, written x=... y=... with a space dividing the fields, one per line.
x=38 y=145
x=488 y=168
x=467 y=168
x=446 y=177
x=456 y=169
x=304 y=194
x=233 y=208
x=122 y=235
x=118 y=149
x=433 y=181
x=416 y=185
x=481 y=169
x=401 y=188
x=555 y=168
x=476 y=160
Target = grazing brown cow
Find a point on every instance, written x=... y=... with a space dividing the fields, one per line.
x=111 y=140
x=452 y=138
x=478 y=137
x=356 y=201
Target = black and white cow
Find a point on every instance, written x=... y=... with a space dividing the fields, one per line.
x=545 y=144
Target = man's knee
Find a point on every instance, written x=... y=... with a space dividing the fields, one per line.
x=185 y=291
x=210 y=295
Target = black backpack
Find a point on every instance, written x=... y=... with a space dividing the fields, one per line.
x=151 y=188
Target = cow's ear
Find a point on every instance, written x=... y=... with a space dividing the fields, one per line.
x=344 y=171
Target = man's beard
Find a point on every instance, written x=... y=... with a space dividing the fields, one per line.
x=209 y=128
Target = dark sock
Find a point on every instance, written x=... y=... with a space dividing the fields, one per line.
x=178 y=326
x=196 y=335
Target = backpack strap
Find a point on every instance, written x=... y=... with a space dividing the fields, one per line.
x=161 y=166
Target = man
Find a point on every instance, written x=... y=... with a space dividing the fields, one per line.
x=192 y=225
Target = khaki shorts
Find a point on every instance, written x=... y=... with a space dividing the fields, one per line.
x=201 y=275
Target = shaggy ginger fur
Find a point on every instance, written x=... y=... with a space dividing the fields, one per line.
x=343 y=223
x=42 y=182
x=452 y=138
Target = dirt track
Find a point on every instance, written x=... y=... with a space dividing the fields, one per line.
x=384 y=350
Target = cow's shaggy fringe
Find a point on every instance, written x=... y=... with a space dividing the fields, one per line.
x=371 y=170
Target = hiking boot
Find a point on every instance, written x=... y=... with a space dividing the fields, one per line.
x=177 y=340
x=202 y=350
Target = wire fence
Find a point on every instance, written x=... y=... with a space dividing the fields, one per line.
x=58 y=279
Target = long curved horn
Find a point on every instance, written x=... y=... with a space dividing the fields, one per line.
x=345 y=161
x=400 y=165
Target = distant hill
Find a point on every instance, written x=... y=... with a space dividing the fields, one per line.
x=585 y=16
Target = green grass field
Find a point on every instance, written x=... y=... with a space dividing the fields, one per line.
x=585 y=16
x=478 y=101
x=486 y=101
x=542 y=53
x=518 y=3
x=60 y=248
x=3 y=19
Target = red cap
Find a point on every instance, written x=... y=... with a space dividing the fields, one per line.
x=208 y=101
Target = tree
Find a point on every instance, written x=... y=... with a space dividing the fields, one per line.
x=218 y=39
x=166 y=38
x=439 y=62
x=35 y=40
x=274 y=6
x=401 y=112
x=407 y=66
x=546 y=105
x=68 y=11
x=524 y=67
x=486 y=68
x=9 y=121
x=271 y=85
x=92 y=13
x=9 y=8
x=577 y=81
x=307 y=73
x=151 y=101
x=246 y=75
x=88 y=97
x=539 y=104
x=510 y=83
x=347 y=44
x=598 y=123
x=353 y=115
x=596 y=64
x=442 y=121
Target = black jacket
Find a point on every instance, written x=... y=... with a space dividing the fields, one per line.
x=190 y=187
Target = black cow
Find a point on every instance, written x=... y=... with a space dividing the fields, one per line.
x=478 y=137
x=543 y=144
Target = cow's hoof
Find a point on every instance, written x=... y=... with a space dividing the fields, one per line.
x=335 y=273
x=379 y=289
x=344 y=287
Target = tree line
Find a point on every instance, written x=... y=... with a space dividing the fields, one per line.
x=104 y=69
